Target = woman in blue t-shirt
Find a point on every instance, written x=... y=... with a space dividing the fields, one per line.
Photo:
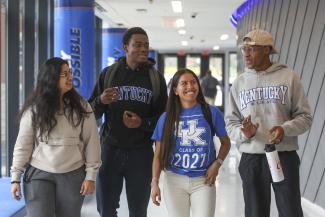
x=185 y=149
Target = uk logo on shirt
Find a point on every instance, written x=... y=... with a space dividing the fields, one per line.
x=190 y=133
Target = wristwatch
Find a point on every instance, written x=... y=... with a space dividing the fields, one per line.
x=219 y=160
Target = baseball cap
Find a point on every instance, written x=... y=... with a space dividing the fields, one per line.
x=259 y=37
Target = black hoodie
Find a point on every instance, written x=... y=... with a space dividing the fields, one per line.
x=135 y=94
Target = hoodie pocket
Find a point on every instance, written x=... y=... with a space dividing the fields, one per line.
x=59 y=152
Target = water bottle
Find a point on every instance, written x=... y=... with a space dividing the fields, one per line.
x=274 y=163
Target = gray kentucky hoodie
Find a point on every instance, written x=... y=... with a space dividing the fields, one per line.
x=274 y=97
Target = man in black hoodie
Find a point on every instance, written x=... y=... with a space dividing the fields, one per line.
x=131 y=109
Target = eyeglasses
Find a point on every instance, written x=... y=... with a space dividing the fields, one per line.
x=249 y=49
x=66 y=74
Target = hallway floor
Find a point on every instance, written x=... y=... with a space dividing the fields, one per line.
x=229 y=201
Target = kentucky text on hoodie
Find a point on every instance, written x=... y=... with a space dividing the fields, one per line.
x=132 y=93
x=261 y=95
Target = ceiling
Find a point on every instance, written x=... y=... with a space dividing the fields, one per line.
x=205 y=22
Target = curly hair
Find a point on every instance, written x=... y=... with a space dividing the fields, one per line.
x=44 y=101
x=132 y=31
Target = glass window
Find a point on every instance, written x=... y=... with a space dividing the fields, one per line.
x=193 y=63
x=233 y=64
x=170 y=67
x=215 y=65
x=3 y=146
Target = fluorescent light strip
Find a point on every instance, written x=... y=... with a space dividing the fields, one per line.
x=177 y=6
x=182 y=31
x=184 y=43
x=224 y=37
x=180 y=23
x=216 y=47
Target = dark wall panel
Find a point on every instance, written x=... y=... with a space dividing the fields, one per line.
x=275 y=21
x=320 y=194
x=310 y=64
x=305 y=35
x=288 y=29
x=307 y=72
x=259 y=14
x=254 y=20
x=312 y=160
x=265 y=6
x=281 y=27
x=296 y=34
x=298 y=28
x=270 y=14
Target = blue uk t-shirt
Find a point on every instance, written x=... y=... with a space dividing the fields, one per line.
x=194 y=149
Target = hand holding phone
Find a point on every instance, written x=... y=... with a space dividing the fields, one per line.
x=131 y=119
x=109 y=95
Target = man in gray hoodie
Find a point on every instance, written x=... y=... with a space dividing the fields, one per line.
x=267 y=105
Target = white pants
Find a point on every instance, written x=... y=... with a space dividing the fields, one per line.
x=183 y=193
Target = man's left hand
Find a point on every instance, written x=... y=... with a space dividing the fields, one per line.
x=131 y=119
x=276 y=135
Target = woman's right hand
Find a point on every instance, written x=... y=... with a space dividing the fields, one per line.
x=155 y=194
x=15 y=191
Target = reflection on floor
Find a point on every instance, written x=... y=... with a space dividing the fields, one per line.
x=229 y=201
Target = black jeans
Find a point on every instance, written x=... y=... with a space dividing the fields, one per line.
x=132 y=165
x=257 y=181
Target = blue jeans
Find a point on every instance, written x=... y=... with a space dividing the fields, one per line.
x=132 y=165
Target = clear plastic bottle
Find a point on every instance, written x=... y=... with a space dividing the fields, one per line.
x=274 y=163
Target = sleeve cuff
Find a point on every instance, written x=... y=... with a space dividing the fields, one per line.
x=99 y=102
x=90 y=175
x=285 y=129
x=15 y=177
x=243 y=138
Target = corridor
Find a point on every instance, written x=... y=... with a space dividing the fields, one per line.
x=229 y=202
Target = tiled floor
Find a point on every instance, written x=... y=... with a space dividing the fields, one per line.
x=229 y=201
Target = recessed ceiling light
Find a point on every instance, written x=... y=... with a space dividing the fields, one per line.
x=184 y=43
x=180 y=22
x=141 y=10
x=216 y=47
x=224 y=37
x=182 y=31
x=177 y=6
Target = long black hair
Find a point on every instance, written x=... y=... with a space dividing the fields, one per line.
x=173 y=110
x=44 y=101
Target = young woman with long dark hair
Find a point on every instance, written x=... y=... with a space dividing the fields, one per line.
x=186 y=151
x=57 y=147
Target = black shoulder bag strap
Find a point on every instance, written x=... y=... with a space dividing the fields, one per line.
x=155 y=82
x=110 y=73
